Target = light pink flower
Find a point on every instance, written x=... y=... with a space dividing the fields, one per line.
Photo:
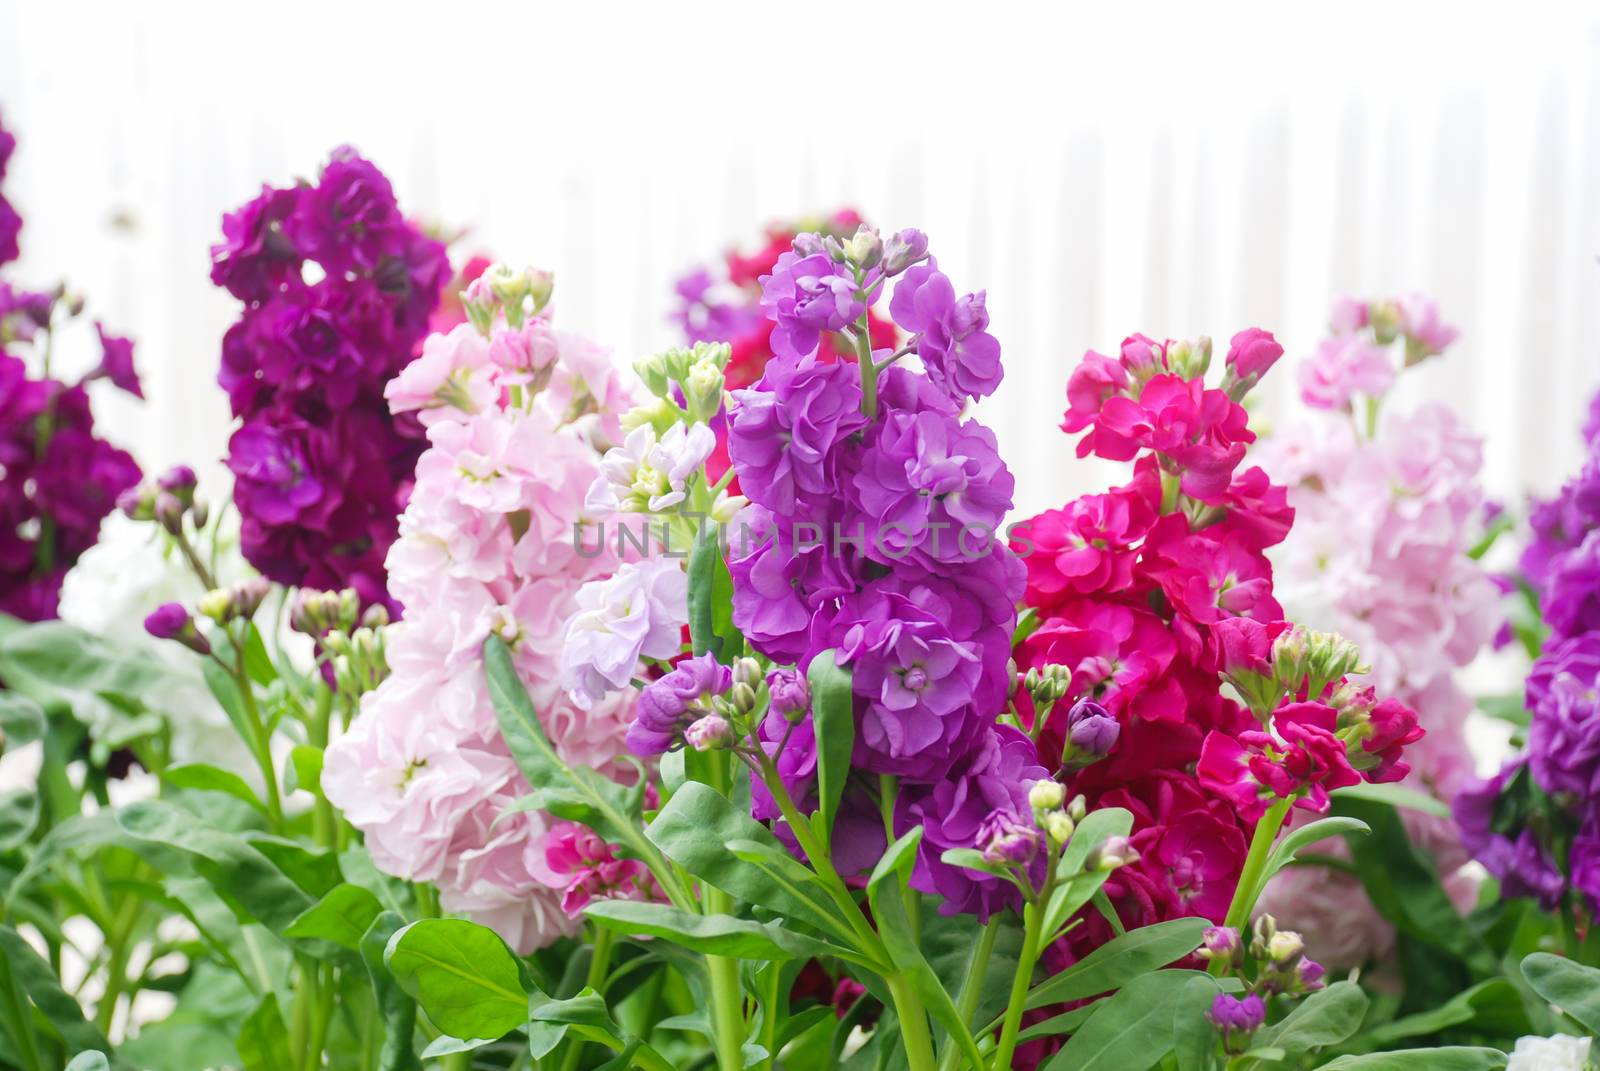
x=451 y=373
x=637 y=613
x=1343 y=367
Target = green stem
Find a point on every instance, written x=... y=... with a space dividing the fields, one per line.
x=1255 y=866
x=1033 y=922
x=427 y=901
x=320 y=1015
x=261 y=745
x=913 y=1024
x=972 y=987
x=727 y=995
x=599 y=964
x=769 y=1017
x=869 y=370
x=118 y=937
x=324 y=822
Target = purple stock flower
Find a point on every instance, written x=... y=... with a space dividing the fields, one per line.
x=669 y=703
x=805 y=296
x=952 y=339
x=116 y=361
x=1522 y=865
x=1093 y=732
x=1230 y=1013
x=1561 y=523
x=789 y=692
x=349 y=220
x=954 y=810
x=785 y=577
x=1571 y=601
x=10 y=228
x=931 y=489
x=786 y=431
x=1564 y=736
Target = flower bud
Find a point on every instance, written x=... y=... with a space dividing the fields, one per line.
x=1384 y=319
x=179 y=481
x=541 y=285
x=1048 y=684
x=1092 y=733
x=349 y=608
x=727 y=506
x=866 y=248
x=1115 y=852
x=1046 y=795
x=902 y=250
x=1231 y=1014
x=1221 y=943
x=138 y=503
x=1059 y=827
x=169 y=511
x=791 y=695
x=1190 y=360
x=215 y=604
x=199 y=511
x=375 y=617
x=702 y=388
x=248 y=596
x=708 y=733
x=742 y=698
x=1261 y=933
x=807 y=244
x=834 y=248
x=1078 y=809
x=1285 y=946
x=652 y=371
x=173 y=622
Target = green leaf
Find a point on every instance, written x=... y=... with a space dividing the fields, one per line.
x=1324 y=1018
x=1395 y=796
x=1121 y=960
x=21 y=720
x=263 y=1041
x=1572 y=987
x=316 y=870
x=305 y=770
x=1194 y=1039
x=1283 y=853
x=357 y=867
x=19 y=817
x=694 y=829
x=1131 y=1031
x=1494 y=1008
x=340 y=918
x=211 y=779
x=77 y=665
x=949 y=943
x=833 y=720
x=39 y=982
x=711 y=598
x=1069 y=896
x=712 y=935
x=1511 y=708
x=89 y=1061
x=398 y=1009
x=886 y=892
x=461 y=974
x=1454 y=1058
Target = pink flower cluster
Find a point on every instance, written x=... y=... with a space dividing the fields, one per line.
x=1155 y=593
x=1354 y=359
x=516 y=424
x=1384 y=518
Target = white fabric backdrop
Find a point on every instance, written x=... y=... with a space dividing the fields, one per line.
x=1163 y=169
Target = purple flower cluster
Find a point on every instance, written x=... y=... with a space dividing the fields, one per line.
x=870 y=535
x=1545 y=806
x=321 y=468
x=58 y=480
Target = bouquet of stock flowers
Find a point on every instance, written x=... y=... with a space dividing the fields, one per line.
x=731 y=725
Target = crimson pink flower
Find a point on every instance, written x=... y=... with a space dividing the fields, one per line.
x=1252 y=352
x=1091 y=546
x=1096 y=379
x=1202 y=433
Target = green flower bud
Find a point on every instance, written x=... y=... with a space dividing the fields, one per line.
x=1046 y=795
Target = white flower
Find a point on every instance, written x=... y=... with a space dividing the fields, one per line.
x=1560 y=1053
x=638 y=613
x=647 y=474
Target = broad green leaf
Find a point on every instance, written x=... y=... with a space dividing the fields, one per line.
x=39 y=982
x=263 y=1041
x=949 y=943
x=1069 y=896
x=1324 y=1018
x=711 y=598
x=1494 y=1008
x=1454 y=1058
x=398 y=1008
x=1121 y=960
x=340 y=918
x=1395 y=796
x=1572 y=987
x=89 y=1061
x=712 y=935
x=461 y=974
x=694 y=828
x=1194 y=1039
x=1096 y=826
x=211 y=779
x=833 y=721
x=972 y=859
x=1131 y=1031
x=1283 y=853
x=315 y=870
x=355 y=864
x=76 y=664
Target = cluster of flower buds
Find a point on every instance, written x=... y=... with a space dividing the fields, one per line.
x=1284 y=966
x=520 y=294
x=1221 y=943
x=1007 y=840
x=1299 y=663
x=358 y=659
x=167 y=500
x=874 y=257
x=239 y=602
x=697 y=372
x=1092 y=731
x=317 y=613
x=1052 y=813
x=1191 y=360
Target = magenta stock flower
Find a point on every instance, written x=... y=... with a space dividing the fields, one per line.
x=116 y=361
x=1252 y=353
x=1092 y=545
x=1096 y=379
x=1202 y=433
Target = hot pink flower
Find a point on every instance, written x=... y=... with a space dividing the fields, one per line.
x=1252 y=352
x=1096 y=379
x=1092 y=545
x=1201 y=433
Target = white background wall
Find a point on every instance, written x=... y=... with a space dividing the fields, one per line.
x=1177 y=169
